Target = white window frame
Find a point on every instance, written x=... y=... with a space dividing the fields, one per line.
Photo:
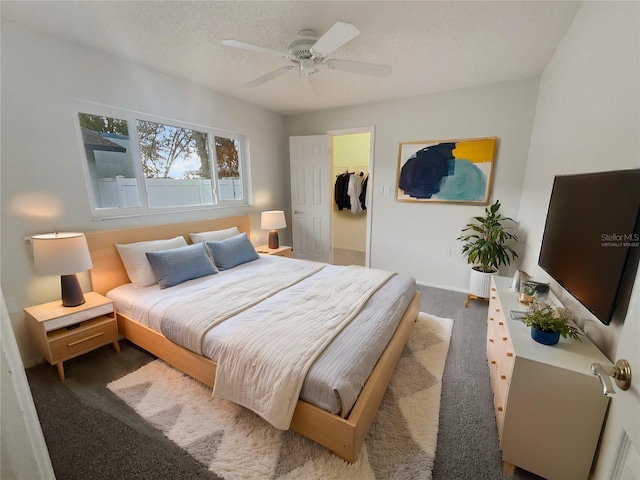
x=130 y=117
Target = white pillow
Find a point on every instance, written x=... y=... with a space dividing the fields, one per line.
x=135 y=261
x=214 y=235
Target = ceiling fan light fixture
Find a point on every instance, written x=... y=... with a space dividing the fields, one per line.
x=308 y=66
x=300 y=48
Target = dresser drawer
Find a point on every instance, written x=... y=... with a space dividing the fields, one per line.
x=500 y=392
x=505 y=356
x=91 y=334
x=491 y=333
x=506 y=359
x=499 y=421
x=494 y=300
x=493 y=372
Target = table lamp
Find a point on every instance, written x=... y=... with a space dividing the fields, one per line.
x=63 y=254
x=273 y=220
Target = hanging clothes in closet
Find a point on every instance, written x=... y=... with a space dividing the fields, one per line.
x=350 y=191
x=354 y=190
x=340 y=191
x=363 y=194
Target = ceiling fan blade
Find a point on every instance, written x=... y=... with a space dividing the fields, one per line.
x=269 y=76
x=334 y=38
x=359 y=67
x=318 y=86
x=254 y=48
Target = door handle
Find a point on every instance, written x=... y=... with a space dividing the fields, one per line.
x=295 y=212
x=621 y=372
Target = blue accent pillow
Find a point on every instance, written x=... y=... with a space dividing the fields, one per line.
x=178 y=265
x=231 y=252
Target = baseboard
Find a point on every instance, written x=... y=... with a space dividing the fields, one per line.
x=32 y=363
x=336 y=247
x=443 y=287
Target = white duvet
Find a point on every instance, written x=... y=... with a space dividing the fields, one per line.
x=262 y=366
x=189 y=318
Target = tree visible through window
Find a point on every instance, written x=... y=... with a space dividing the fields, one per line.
x=228 y=164
x=101 y=124
x=227 y=153
x=175 y=162
x=173 y=152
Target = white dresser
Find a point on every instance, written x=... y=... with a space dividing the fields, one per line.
x=549 y=406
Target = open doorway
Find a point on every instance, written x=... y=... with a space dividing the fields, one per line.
x=351 y=160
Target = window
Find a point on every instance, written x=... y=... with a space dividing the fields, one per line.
x=140 y=164
x=227 y=165
x=111 y=169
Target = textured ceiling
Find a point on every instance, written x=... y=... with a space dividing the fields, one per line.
x=432 y=46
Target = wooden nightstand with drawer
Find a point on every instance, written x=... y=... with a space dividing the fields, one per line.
x=280 y=251
x=62 y=332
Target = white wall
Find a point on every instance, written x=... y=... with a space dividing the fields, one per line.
x=43 y=187
x=587 y=119
x=411 y=237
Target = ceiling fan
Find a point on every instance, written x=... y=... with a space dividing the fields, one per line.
x=307 y=52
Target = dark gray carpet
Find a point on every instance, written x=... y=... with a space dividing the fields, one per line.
x=468 y=445
x=91 y=434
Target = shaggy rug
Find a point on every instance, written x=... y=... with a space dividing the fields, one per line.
x=237 y=444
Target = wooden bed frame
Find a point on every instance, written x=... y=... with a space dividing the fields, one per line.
x=342 y=436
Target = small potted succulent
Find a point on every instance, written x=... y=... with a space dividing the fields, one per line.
x=548 y=323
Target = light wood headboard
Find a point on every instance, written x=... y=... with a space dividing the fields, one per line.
x=108 y=271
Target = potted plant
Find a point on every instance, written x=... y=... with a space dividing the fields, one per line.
x=548 y=323
x=487 y=247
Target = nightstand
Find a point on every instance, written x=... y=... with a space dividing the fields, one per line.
x=279 y=252
x=62 y=333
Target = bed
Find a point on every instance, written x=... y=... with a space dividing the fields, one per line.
x=341 y=432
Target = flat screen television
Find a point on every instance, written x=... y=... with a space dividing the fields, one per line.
x=592 y=226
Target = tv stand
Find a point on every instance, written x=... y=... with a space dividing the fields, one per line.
x=549 y=406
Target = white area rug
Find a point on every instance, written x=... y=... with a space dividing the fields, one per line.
x=237 y=444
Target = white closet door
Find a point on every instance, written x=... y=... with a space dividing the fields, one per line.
x=311 y=225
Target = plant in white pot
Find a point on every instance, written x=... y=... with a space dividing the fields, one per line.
x=488 y=245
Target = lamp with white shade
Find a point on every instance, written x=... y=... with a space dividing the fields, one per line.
x=272 y=220
x=63 y=254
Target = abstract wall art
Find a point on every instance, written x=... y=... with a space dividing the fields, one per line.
x=454 y=171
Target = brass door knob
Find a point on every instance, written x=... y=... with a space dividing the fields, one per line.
x=621 y=372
